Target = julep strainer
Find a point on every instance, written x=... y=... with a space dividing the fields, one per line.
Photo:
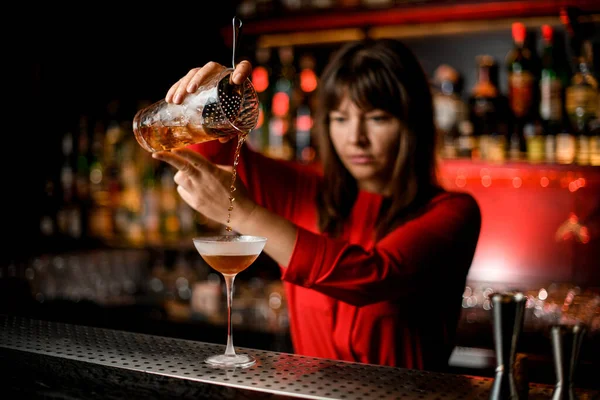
x=218 y=109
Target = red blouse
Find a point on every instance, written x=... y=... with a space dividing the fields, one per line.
x=395 y=302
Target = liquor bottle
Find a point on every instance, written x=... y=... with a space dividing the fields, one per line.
x=126 y=194
x=551 y=104
x=581 y=101
x=465 y=142
x=49 y=206
x=486 y=111
x=151 y=203
x=262 y=74
x=70 y=214
x=117 y=154
x=308 y=82
x=595 y=136
x=521 y=83
x=82 y=170
x=101 y=222
x=169 y=218
x=565 y=145
x=450 y=109
x=282 y=106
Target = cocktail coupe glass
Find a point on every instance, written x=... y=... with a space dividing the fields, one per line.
x=229 y=255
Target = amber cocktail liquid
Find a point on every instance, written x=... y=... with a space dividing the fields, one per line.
x=158 y=138
x=230 y=264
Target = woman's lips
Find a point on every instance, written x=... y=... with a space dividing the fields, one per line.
x=360 y=159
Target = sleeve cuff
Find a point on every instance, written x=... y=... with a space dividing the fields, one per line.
x=307 y=259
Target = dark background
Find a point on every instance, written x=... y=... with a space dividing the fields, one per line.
x=60 y=63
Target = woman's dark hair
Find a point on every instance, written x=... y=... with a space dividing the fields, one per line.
x=378 y=74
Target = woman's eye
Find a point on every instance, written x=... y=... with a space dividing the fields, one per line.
x=379 y=118
x=337 y=119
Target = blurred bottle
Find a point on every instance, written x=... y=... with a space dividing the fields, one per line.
x=466 y=141
x=450 y=109
x=262 y=73
x=101 y=222
x=69 y=214
x=50 y=205
x=169 y=219
x=305 y=152
x=565 y=146
x=115 y=145
x=82 y=173
x=151 y=203
x=551 y=104
x=282 y=106
x=246 y=9
x=582 y=102
x=187 y=219
x=521 y=92
x=595 y=136
x=487 y=113
x=128 y=218
x=184 y=278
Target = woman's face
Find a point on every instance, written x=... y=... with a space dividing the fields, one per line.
x=367 y=143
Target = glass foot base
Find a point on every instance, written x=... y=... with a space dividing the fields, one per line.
x=234 y=361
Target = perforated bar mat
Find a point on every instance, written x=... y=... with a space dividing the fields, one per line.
x=278 y=374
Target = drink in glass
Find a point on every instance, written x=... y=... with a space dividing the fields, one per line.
x=229 y=255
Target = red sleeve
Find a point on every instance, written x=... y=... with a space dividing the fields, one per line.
x=437 y=244
x=282 y=186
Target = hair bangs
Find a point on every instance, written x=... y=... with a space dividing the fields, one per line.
x=367 y=84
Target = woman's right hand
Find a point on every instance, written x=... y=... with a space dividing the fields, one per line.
x=194 y=78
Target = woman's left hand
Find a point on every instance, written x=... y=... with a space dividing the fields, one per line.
x=205 y=186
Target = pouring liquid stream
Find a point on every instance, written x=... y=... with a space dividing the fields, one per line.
x=237 y=24
x=241 y=140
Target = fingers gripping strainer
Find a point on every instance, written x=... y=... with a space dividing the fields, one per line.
x=235 y=104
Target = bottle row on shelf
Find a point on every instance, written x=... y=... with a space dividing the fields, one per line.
x=549 y=114
x=109 y=188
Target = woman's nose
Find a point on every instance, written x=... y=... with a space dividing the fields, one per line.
x=357 y=133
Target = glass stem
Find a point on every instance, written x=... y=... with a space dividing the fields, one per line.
x=229 y=350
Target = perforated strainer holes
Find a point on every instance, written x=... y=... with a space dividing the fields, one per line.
x=211 y=114
x=218 y=111
x=280 y=373
x=230 y=97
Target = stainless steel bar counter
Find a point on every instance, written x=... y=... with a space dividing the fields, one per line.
x=45 y=359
